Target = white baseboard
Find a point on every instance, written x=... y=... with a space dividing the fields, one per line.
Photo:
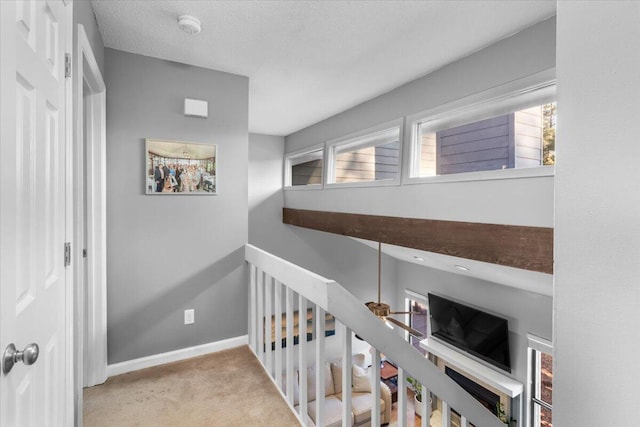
x=174 y=356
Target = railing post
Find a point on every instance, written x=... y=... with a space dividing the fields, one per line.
x=302 y=354
x=320 y=361
x=268 y=297
x=289 y=349
x=375 y=389
x=463 y=422
x=277 y=312
x=402 y=398
x=347 y=356
x=260 y=330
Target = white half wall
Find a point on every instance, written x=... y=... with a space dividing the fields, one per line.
x=597 y=232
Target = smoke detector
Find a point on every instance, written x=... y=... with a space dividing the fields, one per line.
x=189 y=24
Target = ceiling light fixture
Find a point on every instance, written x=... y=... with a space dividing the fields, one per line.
x=389 y=325
x=189 y=24
x=418 y=258
x=461 y=267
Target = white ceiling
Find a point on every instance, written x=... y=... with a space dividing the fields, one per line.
x=309 y=60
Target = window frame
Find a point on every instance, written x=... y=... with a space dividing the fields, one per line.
x=539 y=88
x=352 y=141
x=536 y=345
x=289 y=159
x=409 y=296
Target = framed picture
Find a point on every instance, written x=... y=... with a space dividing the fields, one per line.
x=180 y=167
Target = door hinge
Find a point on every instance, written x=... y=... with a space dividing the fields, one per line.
x=84 y=253
x=67 y=254
x=67 y=65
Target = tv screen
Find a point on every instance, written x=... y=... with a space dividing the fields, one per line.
x=481 y=334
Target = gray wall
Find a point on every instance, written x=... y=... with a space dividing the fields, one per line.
x=340 y=258
x=83 y=14
x=527 y=312
x=526 y=53
x=597 y=241
x=524 y=201
x=169 y=253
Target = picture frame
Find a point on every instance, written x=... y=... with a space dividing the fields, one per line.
x=180 y=168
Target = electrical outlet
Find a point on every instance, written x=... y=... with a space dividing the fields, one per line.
x=189 y=316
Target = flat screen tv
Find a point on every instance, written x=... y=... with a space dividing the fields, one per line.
x=478 y=333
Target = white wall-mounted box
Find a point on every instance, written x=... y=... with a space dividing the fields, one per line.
x=196 y=108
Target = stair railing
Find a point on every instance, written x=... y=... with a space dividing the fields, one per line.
x=273 y=280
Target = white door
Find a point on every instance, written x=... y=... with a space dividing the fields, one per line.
x=32 y=210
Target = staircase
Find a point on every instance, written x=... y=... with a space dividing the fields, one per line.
x=278 y=287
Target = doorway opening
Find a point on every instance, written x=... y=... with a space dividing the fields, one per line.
x=89 y=220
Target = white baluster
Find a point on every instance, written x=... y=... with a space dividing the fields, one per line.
x=320 y=361
x=375 y=383
x=252 y=309
x=277 y=294
x=268 y=328
x=402 y=398
x=260 y=331
x=302 y=353
x=289 y=348
x=446 y=414
x=347 y=356
x=464 y=422
x=426 y=407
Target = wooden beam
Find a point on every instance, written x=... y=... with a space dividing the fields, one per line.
x=528 y=248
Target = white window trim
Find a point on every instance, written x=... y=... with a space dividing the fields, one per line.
x=410 y=295
x=536 y=88
x=300 y=156
x=540 y=344
x=330 y=153
x=491 y=175
x=545 y=346
x=307 y=157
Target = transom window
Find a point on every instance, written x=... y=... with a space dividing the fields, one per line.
x=509 y=127
x=370 y=157
x=304 y=168
x=510 y=133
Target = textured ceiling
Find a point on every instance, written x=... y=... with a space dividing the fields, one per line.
x=309 y=60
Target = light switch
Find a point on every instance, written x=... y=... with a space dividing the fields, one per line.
x=189 y=316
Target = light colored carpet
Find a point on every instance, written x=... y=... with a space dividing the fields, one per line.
x=228 y=388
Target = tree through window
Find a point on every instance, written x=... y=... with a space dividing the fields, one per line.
x=541 y=383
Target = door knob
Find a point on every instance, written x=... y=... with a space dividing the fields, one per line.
x=12 y=356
